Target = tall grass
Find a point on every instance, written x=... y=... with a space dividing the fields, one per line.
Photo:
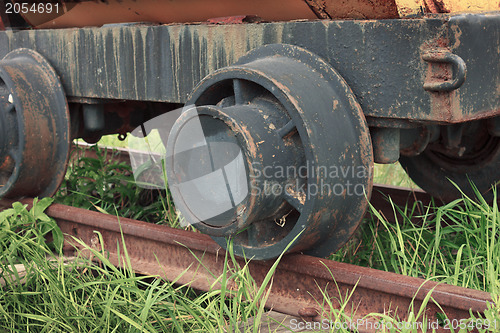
x=85 y=296
x=457 y=243
x=107 y=186
x=392 y=174
x=82 y=295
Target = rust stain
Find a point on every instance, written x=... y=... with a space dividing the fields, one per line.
x=240 y=19
x=436 y=6
x=97 y=13
x=308 y=314
x=335 y=104
x=361 y=9
x=318 y=7
x=251 y=146
x=300 y=196
x=458 y=33
x=8 y=164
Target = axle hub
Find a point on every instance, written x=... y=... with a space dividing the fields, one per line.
x=274 y=151
x=221 y=161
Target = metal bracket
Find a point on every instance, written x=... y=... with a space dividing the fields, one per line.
x=459 y=70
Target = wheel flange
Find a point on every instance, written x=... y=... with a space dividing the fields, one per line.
x=282 y=109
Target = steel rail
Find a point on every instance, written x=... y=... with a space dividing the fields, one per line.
x=299 y=283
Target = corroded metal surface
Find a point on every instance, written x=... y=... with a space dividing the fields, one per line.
x=299 y=284
x=34 y=124
x=467 y=154
x=383 y=62
x=357 y=9
x=96 y=13
x=460 y=6
x=416 y=7
x=379 y=199
x=386 y=144
x=292 y=182
x=71 y=13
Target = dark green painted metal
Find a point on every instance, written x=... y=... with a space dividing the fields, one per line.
x=467 y=154
x=386 y=144
x=380 y=60
x=476 y=39
x=413 y=141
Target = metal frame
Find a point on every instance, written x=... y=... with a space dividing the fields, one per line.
x=396 y=68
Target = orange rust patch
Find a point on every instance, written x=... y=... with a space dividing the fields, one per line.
x=361 y=9
x=300 y=196
x=97 y=13
x=335 y=104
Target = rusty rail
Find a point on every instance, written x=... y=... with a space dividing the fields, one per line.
x=299 y=281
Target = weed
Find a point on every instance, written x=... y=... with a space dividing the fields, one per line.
x=107 y=186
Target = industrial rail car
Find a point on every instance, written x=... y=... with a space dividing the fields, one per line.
x=321 y=88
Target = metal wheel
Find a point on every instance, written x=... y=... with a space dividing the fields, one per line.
x=34 y=126
x=476 y=160
x=275 y=148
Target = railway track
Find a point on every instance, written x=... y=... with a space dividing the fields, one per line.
x=255 y=93
x=300 y=282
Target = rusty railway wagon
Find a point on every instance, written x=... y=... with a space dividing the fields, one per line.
x=330 y=87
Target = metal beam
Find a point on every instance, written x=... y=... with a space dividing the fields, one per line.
x=381 y=60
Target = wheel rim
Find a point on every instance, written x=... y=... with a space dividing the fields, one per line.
x=266 y=93
x=34 y=116
x=480 y=149
x=9 y=140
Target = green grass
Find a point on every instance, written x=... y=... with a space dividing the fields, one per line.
x=392 y=174
x=456 y=244
x=85 y=296
x=109 y=187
